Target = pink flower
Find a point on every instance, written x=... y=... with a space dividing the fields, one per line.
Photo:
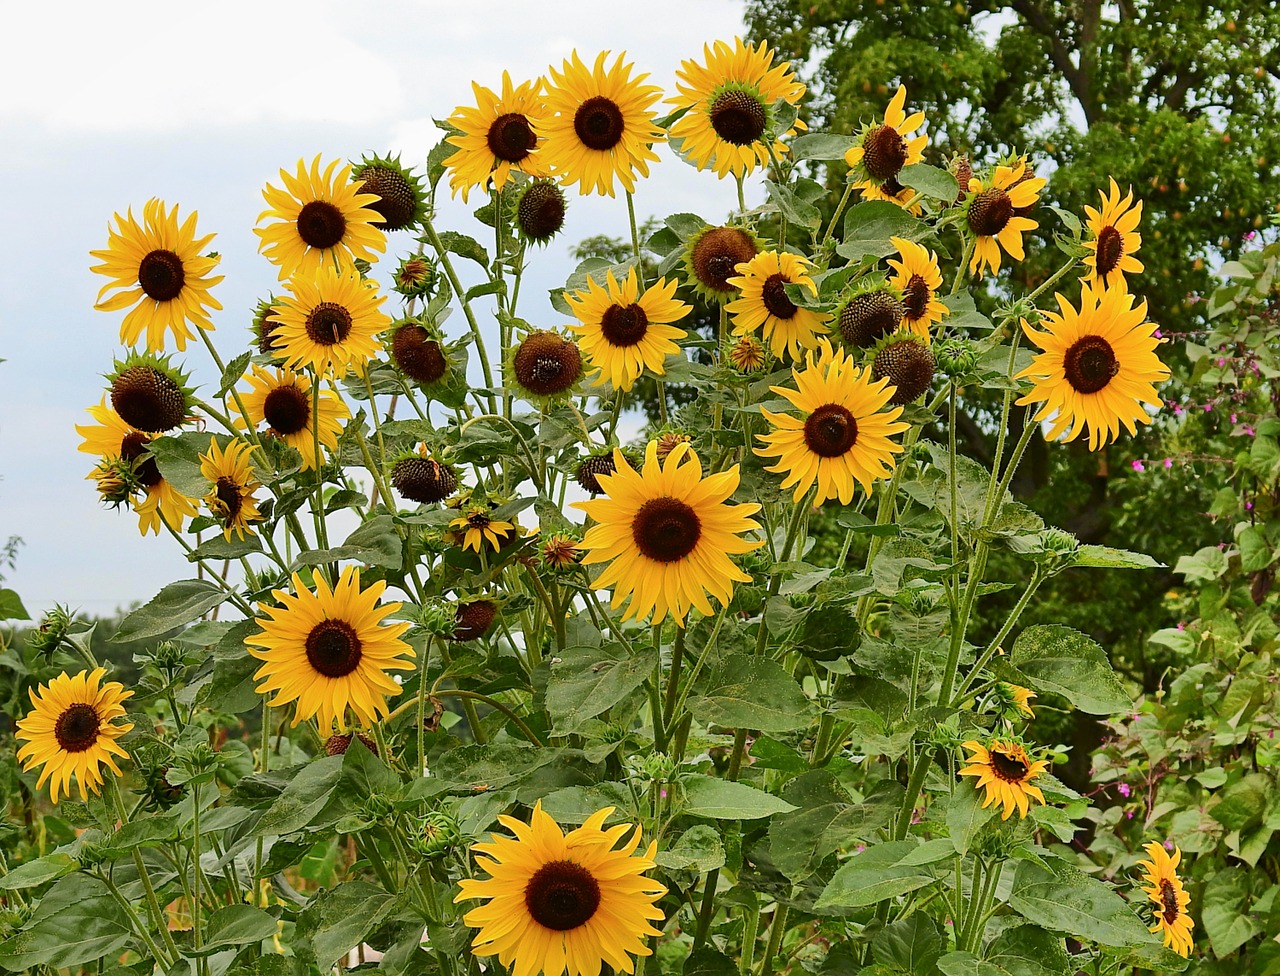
x=1233 y=418
x=1138 y=466
x=1124 y=790
x=1128 y=815
x=1248 y=506
x=1177 y=410
x=1168 y=462
x=1181 y=625
x=1168 y=845
x=1248 y=431
x=1158 y=334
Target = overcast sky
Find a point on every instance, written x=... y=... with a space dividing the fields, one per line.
x=105 y=105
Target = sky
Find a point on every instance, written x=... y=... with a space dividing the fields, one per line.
x=201 y=105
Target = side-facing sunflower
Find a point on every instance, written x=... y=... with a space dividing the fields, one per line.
x=231 y=496
x=843 y=435
x=916 y=275
x=496 y=136
x=70 y=731
x=765 y=306
x=1171 y=900
x=557 y=902
x=329 y=651
x=884 y=149
x=156 y=267
x=330 y=321
x=282 y=399
x=1098 y=367
x=599 y=124
x=711 y=258
x=623 y=332
x=320 y=220
x=667 y=534
x=729 y=101
x=992 y=213
x=1006 y=771
x=1115 y=238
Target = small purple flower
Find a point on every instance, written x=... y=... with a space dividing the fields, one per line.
x=1222 y=361
x=1181 y=625
x=663 y=793
x=1208 y=407
x=1248 y=506
x=1248 y=430
x=861 y=848
x=1250 y=235
x=1128 y=815
x=1168 y=845
x=1168 y=462
x=1124 y=790
x=1158 y=334
x=1139 y=466
x=1177 y=410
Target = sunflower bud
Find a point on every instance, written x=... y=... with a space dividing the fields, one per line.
x=438 y=835
x=417 y=277
x=539 y=210
x=401 y=199
x=956 y=357
x=52 y=630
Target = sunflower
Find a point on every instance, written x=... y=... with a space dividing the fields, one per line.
x=917 y=277
x=883 y=150
x=329 y=650
x=728 y=104
x=496 y=136
x=281 y=398
x=1165 y=890
x=321 y=220
x=1015 y=699
x=1114 y=239
x=158 y=264
x=711 y=257
x=667 y=534
x=477 y=527
x=764 y=303
x=599 y=124
x=623 y=332
x=843 y=435
x=559 y=903
x=231 y=499
x=543 y=367
x=70 y=732
x=1097 y=369
x=1006 y=771
x=164 y=503
x=993 y=214
x=330 y=320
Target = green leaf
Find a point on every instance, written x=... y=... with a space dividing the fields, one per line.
x=709 y=962
x=821 y=145
x=464 y=246
x=1104 y=557
x=825 y=822
x=1243 y=803
x=964 y=314
x=233 y=373
x=796 y=210
x=339 y=919
x=304 y=797
x=685 y=225
x=375 y=542
x=76 y=922
x=1255 y=551
x=39 y=871
x=1225 y=915
x=220 y=547
x=1028 y=950
x=967 y=964
x=931 y=181
x=11 y=607
x=589 y=680
x=868 y=227
x=1058 y=659
x=237 y=925
x=1205 y=566
x=1066 y=900
x=749 y=692
x=966 y=816
x=177 y=604
x=698 y=849
x=912 y=944
x=722 y=799
x=881 y=871
x=178 y=458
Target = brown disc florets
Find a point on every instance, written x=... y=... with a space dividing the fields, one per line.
x=321 y=224
x=562 y=895
x=424 y=480
x=329 y=324
x=547 y=364
x=773 y=293
x=990 y=212
x=884 y=152
x=1009 y=768
x=870 y=316
x=909 y=365
x=666 y=529
x=540 y=211
x=599 y=123
x=831 y=430
x=161 y=275
x=474 y=619
x=738 y=117
x=333 y=648
x=397 y=201
x=591 y=468
x=624 y=325
x=417 y=354
x=287 y=409
x=1090 y=364
x=265 y=326
x=148 y=398
x=1110 y=251
x=510 y=137
x=337 y=745
x=77 y=727
x=915 y=298
x=716 y=255
x=964 y=173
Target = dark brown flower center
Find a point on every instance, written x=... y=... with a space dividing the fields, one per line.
x=775 y=298
x=666 y=529
x=830 y=431
x=624 y=325
x=132 y=447
x=472 y=620
x=423 y=480
x=328 y=324
x=1008 y=768
x=321 y=224
x=540 y=212
x=599 y=123
x=396 y=202
x=511 y=137
x=562 y=895
x=229 y=498
x=287 y=409
x=148 y=399
x=1169 y=900
x=915 y=298
x=337 y=745
x=417 y=355
x=1110 y=251
x=909 y=365
x=1090 y=364
x=738 y=117
x=547 y=364
x=869 y=317
x=717 y=254
x=989 y=212
x=160 y=275
x=591 y=468
x=884 y=152
x=333 y=648
x=77 y=728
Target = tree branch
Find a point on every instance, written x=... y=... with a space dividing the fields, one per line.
x=1059 y=53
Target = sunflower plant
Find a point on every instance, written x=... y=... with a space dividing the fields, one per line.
x=471 y=676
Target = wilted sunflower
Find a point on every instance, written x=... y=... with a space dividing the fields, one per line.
x=543 y=366
x=843 y=435
x=884 y=149
x=729 y=101
x=764 y=304
x=321 y=220
x=496 y=136
x=231 y=498
x=667 y=534
x=1006 y=771
x=1097 y=369
x=917 y=276
x=281 y=398
x=330 y=321
x=1115 y=238
x=623 y=332
x=150 y=394
x=70 y=732
x=477 y=526
x=992 y=214
x=329 y=651
x=558 y=903
x=158 y=263
x=1164 y=888
x=599 y=124
x=747 y=355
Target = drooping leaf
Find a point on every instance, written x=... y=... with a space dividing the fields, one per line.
x=236 y=925
x=749 y=692
x=339 y=919
x=76 y=922
x=883 y=871
x=589 y=680
x=965 y=815
x=1062 y=660
x=868 y=227
x=177 y=604
x=721 y=799
x=1064 y=899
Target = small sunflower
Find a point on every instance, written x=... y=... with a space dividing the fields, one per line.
x=711 y=259
x=667 y=534
x=496 y=136
x=599 y=124
x=418 y=352
x=1098 y=367
x=70 y=731
x=728 y=102
x=884 y=150
x=477 y=526
x=1115 y=238
x=1165 y=890
x=747 y=355
x=1006 y=771
x=281 y=398
x=765 y=306
x=917 y=277
x=158 y=264
x=330 y=321
x=623 y=332
x=558 y=903
x=329 y=651
x=1015 y=699
x=559 y=551
x=231 y=499
x=843 y=436
x=992 y=212
x=150 y=394
x=543 y=366
x=321 y=220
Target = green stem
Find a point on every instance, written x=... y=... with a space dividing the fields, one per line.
x=458 y=290
x=775 y=584
x=165 y=959
x=673 y=677
x=914 y=784
x=635 y=239
x=317 y=513
x=197 y=920
x=844 y=200
x=991 y=649
x=654 y=686
x=153 y=903
x=962 y=267
x=697 y=665
x=777 y=929
x=422 y=703
x=534 y=468
x=469 y=696
x=750 y=928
